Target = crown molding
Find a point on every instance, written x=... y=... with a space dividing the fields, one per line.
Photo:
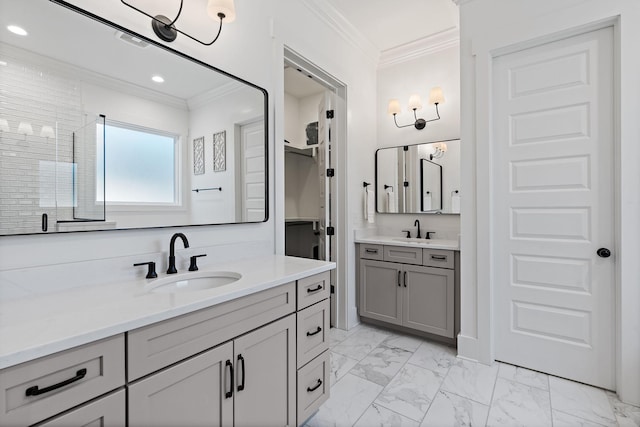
x=341 y=26
x=421 y=47
x=208 y=97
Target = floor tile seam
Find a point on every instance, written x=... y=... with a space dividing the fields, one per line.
x=581 y=418
x=493 y=392
x=528 y=385
x=385 y=387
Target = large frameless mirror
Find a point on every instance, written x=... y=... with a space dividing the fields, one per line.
x=101 y=128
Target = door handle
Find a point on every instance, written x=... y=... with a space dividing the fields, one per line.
x=241 y=383
x=603 y=253
x=229 y=394
x=399 y=273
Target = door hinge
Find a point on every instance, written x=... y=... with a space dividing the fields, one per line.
x=331 y=231
x=406 y=183
x=331 y=172
x=329 y=114
x=333 y=289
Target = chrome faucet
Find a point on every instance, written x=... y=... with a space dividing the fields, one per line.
x=417 y=222
x=172 y=251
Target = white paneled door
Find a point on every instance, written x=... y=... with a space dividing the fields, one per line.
x=252 y=187
x=553 y=208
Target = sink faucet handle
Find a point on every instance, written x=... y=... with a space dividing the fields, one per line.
x=427 y=234
x=151 y=273
x=408 y=233
x=192 y=265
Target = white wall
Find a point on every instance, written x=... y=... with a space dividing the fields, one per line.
x=486 y=27
x=401 y=80
x=252 y=48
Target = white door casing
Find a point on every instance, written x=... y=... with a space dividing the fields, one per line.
x=327 y=244
x=553 y=207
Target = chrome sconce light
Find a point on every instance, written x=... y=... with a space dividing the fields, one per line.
x=165 y=28
x=435 y=97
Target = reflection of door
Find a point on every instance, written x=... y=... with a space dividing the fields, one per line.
x=252 y=187
x=553 y=205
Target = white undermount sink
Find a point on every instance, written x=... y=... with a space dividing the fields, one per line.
x=190 y=282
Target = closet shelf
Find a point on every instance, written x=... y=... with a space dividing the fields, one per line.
x=307 y=152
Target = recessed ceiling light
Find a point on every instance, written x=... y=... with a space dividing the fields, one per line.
x=17 y=30
x=157 y=79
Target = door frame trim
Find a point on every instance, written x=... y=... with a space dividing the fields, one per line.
x=339 y=197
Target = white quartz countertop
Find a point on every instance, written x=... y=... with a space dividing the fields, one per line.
x=40 y=325
x=451 y=245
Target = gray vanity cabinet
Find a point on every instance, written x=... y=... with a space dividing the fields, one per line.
x=380 y=291
x=244 y=382
x=399 y=292
x=265 y=368
x=427 y=303
x=193 y=392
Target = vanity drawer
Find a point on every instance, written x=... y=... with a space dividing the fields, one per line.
x=438 y=258
x=109 y=411
x=403 y=254
x=155 y=346
x=368 y=251
x=313 y=331
x=44 y=387
x=313 y=386
x=313 y=289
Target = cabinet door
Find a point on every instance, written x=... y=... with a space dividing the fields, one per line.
x=428 y=299
x=191 y=393
x=380 y=294
x=265 y=362
x=108 y=411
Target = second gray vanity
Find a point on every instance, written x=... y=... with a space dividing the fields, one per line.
x=410 y=284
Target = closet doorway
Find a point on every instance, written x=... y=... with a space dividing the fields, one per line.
x=310 y=138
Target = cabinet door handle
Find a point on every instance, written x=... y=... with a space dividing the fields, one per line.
x=399 y=284
x=439 y=257
x=315 y=387
x=35 y=390
x=405 y=279
x=241 y=383
x=309 y=290
x=230 y=392
x=317 y=331
x=371 y=251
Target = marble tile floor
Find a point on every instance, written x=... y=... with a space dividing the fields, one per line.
x=384 y=378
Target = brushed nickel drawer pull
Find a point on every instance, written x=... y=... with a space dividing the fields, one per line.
x=35 y=390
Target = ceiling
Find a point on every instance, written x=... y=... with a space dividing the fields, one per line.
x=391 y=24
x=415 y=20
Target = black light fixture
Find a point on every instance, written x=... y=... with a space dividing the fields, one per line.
x=165 y=29
x=435 y=97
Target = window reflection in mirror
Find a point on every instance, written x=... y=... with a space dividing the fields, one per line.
x=419 y=178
